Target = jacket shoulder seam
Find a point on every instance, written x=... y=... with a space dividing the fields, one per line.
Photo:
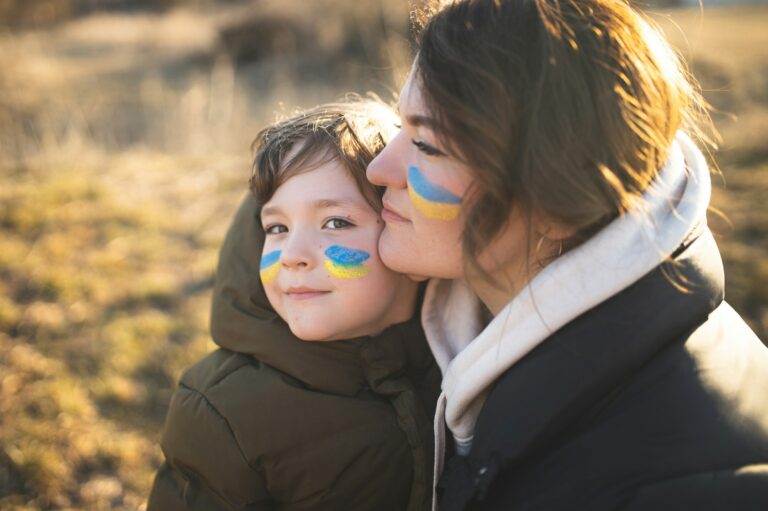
x=224 y=418
x=219 y=376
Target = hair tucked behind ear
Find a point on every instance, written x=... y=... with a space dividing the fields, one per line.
x=562 y=107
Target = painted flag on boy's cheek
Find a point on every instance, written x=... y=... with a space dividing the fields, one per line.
x=431 y=200
x=346 y=263
x=269 y=267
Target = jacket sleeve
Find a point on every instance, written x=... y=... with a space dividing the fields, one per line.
x=204 y=468
x=742 y=489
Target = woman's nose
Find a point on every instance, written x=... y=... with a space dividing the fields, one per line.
x=387 y=168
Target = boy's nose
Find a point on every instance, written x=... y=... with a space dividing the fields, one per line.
x=387 y=169
x=297 y=254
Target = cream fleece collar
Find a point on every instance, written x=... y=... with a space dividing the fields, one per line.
x=471 y=357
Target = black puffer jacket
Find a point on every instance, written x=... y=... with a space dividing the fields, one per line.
x=272 y=422
x=654 y=400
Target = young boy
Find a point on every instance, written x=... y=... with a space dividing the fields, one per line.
x=322 y=392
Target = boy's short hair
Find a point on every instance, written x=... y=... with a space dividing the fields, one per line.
x=352 y=133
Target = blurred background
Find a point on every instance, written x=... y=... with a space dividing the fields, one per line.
x=125 y=128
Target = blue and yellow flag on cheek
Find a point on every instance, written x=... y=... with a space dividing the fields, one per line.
x=346 y=263
x=431 y=200
x=269 y=266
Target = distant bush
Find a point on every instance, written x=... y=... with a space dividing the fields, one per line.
x=41 y=13
x=20 y=13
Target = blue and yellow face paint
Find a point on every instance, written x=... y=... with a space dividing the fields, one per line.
x=346 y=263
x=431 y=200
x=269 y=266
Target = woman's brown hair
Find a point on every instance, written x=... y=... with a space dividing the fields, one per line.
x=562 y=107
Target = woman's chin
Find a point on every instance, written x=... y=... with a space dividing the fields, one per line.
x=394 y=255
x=401 y=261
x=405 y=251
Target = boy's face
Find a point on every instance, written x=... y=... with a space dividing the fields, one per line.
x=320 y=266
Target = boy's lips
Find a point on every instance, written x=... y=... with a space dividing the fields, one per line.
x=304 y=293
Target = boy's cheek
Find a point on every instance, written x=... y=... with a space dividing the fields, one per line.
x=351 y=260
x=273 y=296
x=269 y=266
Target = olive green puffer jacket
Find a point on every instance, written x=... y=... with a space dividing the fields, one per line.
x=271 y=422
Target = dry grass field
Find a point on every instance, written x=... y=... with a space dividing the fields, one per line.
x=124 y=148
x=728 y=52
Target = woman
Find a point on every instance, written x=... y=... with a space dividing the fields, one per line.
x=544 y=179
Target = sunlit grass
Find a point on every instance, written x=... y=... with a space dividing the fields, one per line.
x=106 y=285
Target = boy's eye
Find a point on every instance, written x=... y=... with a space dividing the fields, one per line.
x=275 y=229
x=337 y=223
x=426 y=148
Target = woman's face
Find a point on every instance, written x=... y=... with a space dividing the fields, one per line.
x=424 y=201
x=425 y=208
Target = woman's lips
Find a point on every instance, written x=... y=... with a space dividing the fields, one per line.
x=389 y=215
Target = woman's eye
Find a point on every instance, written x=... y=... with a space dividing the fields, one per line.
x=426 y=148
x=275 y=229
x=337 y=223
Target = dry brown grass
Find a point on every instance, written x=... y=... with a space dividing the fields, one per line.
x=728 y=52
x=123 y=153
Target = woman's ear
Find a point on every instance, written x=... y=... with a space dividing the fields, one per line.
x=550 y=228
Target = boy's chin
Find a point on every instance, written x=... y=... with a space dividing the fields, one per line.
x=312 y=335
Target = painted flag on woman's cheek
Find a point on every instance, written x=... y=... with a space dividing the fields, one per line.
x=431 y=200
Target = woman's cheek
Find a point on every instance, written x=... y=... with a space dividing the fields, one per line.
x=430 y=199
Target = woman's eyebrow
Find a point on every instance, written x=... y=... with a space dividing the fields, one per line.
x=417 y=120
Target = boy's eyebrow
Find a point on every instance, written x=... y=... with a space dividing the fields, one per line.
x=319 y=204
x=332 y=203
x=271 y=210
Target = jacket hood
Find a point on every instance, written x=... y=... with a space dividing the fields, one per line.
x=242 y=320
